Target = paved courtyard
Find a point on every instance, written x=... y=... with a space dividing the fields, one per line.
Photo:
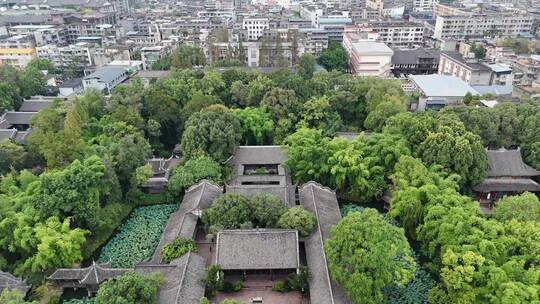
x=261 y=286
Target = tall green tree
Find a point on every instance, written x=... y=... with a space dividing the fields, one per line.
x=74 y=191
x=11 y=156
x=187 y=56
x=334 y=57
x=130 y=288
x=215 y=131
x=457 y=150
x=192 y=172
x=228 y=211
x=365 y=254
x=525 y=207
x=306 y=66
x=256 y=125
x=317 y=113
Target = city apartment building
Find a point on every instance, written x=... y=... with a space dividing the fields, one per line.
x=393 y=33
x=43 y=34
x=334 y=26
x=422 y=6
x=17 y=51
x=482 y=25
x=255 y=27
x=473 y=71
x=367 y=58
x=89 y=25
x=79 y=53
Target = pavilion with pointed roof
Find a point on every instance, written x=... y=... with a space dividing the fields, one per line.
x=89 y=278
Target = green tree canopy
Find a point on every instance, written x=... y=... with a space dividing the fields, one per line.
x=192 y=172
x=267 y=209
x=129 y=288
x=365 y=254
x=11 y=156
x=457 y=150
x=215 y=131
x=317 y=113
x=298 y=218
x=306 y=66
x=256 y=124
x=187 y=56
x=525 y=207
x=334 y=57
x=177 y=248
x=229 y=211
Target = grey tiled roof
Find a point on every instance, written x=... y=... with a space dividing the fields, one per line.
x=95 y=274
x=508 y=184
x=35 y=105
x=7 y=134
x=198 y=196
x=15 y=118
x=504 y=162
x=183 y=279
x=247 y=155
x=322 y=202
x=8 y=281
x=107 y=74
x=411 y=56
x=257 y=249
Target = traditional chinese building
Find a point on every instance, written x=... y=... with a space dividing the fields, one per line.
x=507 y=175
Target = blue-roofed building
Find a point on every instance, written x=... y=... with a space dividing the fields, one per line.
x=437 y=91
x=105 y=79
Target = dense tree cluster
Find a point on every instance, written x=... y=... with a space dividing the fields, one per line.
x=478 y=260
x=334 y=57
x=63 y=193
x=16 y=84
x=366 y=253
x=130 y=288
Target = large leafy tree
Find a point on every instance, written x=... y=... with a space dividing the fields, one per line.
x=413 y=127
x=57 y=245
x=457 y=150
x=354 y=171
x=308 y=151
x=365 y=254
x=57 y=145
x=530 y=138
x=386 y=149
x=229 y=211
x=215 y=131
x=298 y=218
x=10 y=98
x=256 y=124
x=267 y=209
x=187 y=56
x=11 y=156
x=123 y=146
x=192 y=172
x=306 y=66
x=380 y=112
x=317 y=113
x=130 y=288
x=525 y=207
x=334 y=57
x=74 y=191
